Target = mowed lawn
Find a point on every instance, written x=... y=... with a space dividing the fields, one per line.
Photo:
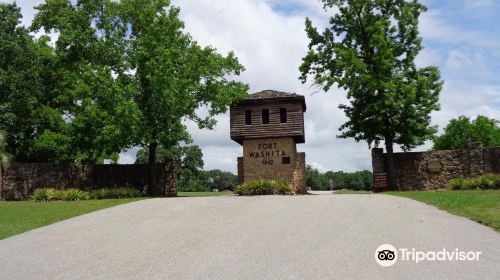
x=479 y=205
x=20 y=216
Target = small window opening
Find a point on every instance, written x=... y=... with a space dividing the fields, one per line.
x=248 y=117
x=285 y=160
x=265 y=116
x=283 y=118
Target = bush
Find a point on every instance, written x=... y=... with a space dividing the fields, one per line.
x=487 y=181
x=46 y=194
x=264 y=187
x=74 y=194
x=50 y=194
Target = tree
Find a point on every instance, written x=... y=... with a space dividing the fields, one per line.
x=314 y=178
x=369 y=50
x=33 y=126
x=218 y=179
x=188 y=159
x=88 y=82
x=174 y=76
x=460 y=132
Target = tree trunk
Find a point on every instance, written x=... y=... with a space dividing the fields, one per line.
x=152 y=188
x=390 y=164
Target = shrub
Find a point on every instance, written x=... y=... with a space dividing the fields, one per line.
x=115 y=193
x=487 y=181
x=74 y=194
x=264 y=187
x=50 y=194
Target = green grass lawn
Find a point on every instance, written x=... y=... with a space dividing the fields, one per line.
x=193 y=194
x=20 y=216
x=479 y=205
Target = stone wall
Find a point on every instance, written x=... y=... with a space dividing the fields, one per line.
x=272 y=158
x=19 y=180
x=435 y=169
x=263 y=158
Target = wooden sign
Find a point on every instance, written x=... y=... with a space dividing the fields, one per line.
x=380 y=180
x=434 y=166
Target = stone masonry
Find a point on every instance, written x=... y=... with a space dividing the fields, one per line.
x=19 y=180
x=435 y=169
x=272 y=158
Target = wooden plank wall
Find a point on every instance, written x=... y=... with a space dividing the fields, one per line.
x=294 y=126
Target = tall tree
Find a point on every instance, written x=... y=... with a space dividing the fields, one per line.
x=174 y=75
x=33 y=125
x=89 y=83
x=369 y=50
x=460 y=132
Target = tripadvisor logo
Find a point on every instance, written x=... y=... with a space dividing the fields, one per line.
x=387 y=255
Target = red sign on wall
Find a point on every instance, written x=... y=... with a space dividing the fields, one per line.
x=380 y=180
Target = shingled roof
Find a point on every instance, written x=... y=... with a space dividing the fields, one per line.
x=269 y=95
x=265 y=94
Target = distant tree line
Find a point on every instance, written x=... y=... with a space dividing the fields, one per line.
x=359 y=180
x=190 y=173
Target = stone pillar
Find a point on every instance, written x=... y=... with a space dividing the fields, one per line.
x=380 y=179
x=170 y=179
x=476 y=163
x=378 y=160
x=241 y=171
x=299 y=174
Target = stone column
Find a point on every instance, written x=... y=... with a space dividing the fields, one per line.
x=378 y=160
x=379 y=174
x=476 y=163
x=241 y=171
x=170 y=179
x=299 y=174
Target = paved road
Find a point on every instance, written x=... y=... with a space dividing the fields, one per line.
x=301 y=237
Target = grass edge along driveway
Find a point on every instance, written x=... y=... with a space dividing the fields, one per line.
x=21 y=216
x=482 y=206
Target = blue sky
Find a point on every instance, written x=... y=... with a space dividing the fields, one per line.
x=461 y=37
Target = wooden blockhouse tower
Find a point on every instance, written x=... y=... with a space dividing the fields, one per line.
x=269 y=124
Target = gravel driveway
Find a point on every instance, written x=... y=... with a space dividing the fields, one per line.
x=272 y=237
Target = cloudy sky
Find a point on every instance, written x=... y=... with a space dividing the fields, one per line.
x=461 y=37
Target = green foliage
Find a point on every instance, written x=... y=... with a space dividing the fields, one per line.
x=27 y=102
x=174 y=76
x=264 y=187
x=4 y=156
x=186 y=157
x=45 y=194
x=120 y=73
x=369 y=50
x=359 y=180
x=462 y=131
x=92 y=93
x=50 y=194
x=487 y=181
x=74 y=194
